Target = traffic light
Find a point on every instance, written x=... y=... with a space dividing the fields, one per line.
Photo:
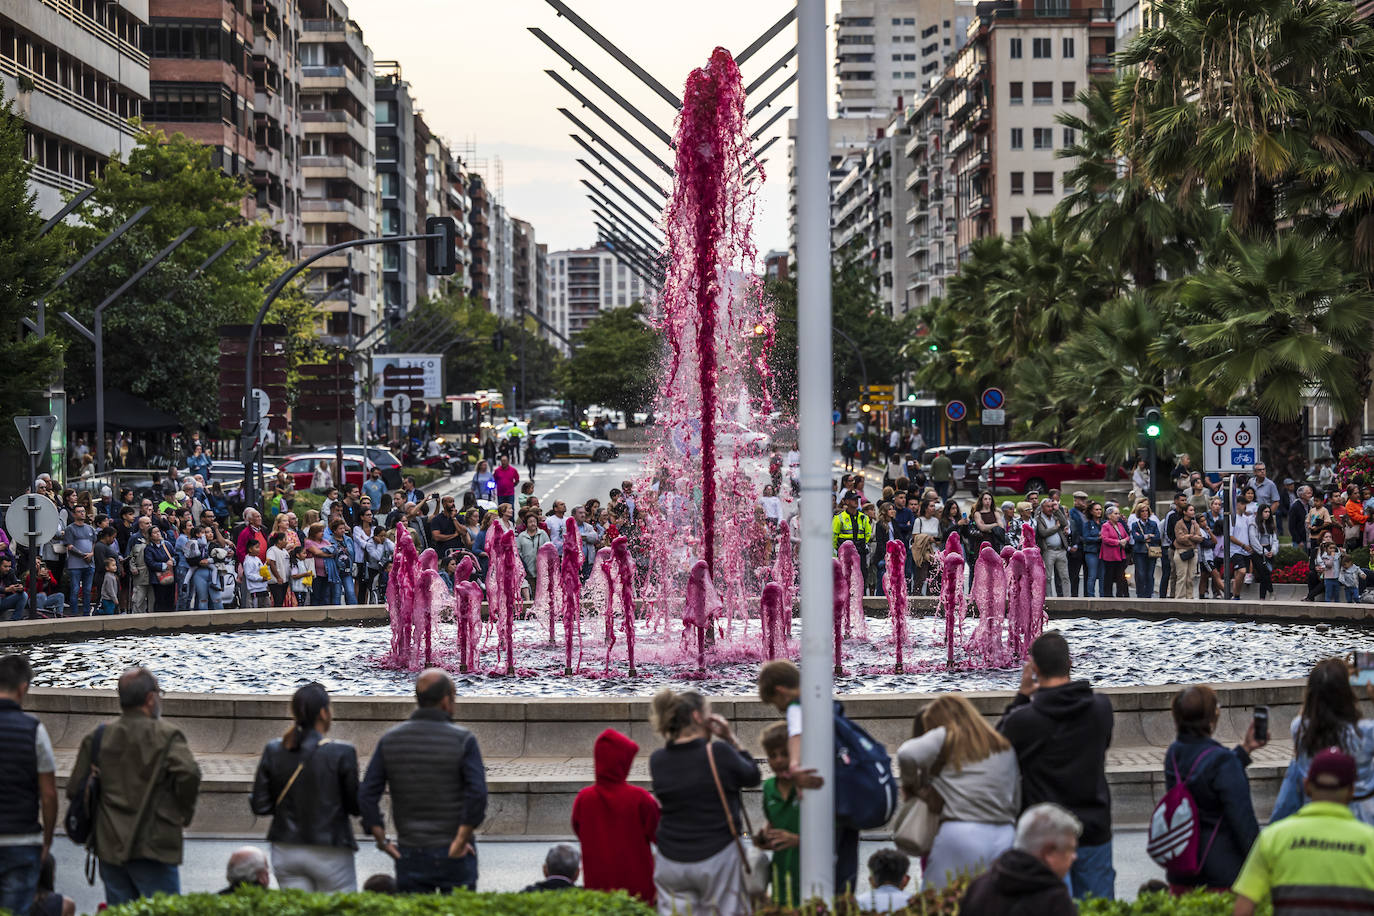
x=934 y=348
x=441 y=248
x=760 y=330
x=1152 y=423
x=498 y=341
x=866 y=407
x=911 y=397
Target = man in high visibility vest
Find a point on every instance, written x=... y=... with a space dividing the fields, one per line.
x=852 y=525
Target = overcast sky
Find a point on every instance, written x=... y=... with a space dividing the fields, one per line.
x=478 y=76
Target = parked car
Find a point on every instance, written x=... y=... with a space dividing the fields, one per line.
x=958 y=456
x=383 y=458
x=301 y=467
x=571 y=443
x=1040 y=469
x=980 y=456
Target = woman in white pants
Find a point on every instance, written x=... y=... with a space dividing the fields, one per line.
x=309 y=785
x=974 y=771
x=698 y=867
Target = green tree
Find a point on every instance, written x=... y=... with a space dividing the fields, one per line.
x=614 y=361
x=161 y=340
x=28 y=267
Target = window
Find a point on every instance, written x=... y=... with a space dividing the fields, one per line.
x=896 y=57
x=1043 y=138
x=1044 y=182
x=202 y=102
x=1042 y=93
x=391 y=222
x=1018 y=182
x=390 y=182
x=1016 y=90
x=1014 y=48
x=1067 y=90
x=1069 y=137
x=911 y=75
x=1040 y=48
x=386 y=148
x=896 y=20
x=896 y=74
x=1018 y=225
x=909 y=21
x=386 y=111
x=1018 y=140
x=909 y=39
x=908 y=57
x=1068 y=46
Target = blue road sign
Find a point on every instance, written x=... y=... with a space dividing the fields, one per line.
x=836 y=416
x=993 y=398
x=1243 y=456
x=955 y=411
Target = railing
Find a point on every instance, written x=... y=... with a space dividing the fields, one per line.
x=57 y=90
x=324 y=25
x=318 y=71
x=334 y=115
x=56 y=179
x=77 y=17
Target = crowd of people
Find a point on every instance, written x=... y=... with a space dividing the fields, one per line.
x=1025 y=808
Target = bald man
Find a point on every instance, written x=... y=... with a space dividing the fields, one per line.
x=437 y=805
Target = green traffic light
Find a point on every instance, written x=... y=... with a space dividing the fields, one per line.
x=911 y=397
x=934 y=348
x=1152 y=430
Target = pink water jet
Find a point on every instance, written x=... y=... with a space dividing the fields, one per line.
x=990 y=597
x=469 y=619
x=840 y=609
x=952 y=592
x=400 y=596
x=1018 y=603
x=701 y=607
x=894 y=585
x=543 y=603
x=605 y=574
x=570 y=588
x=770 y=615
x=1035 y=568
x=625 y=581
x=854 y=586
x=785 y=572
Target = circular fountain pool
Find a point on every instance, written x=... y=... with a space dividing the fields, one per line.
x=348 y=660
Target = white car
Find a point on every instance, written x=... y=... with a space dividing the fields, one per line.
x=571 y=443
x=739 y=439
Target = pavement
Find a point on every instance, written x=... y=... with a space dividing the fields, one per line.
x=504 y=865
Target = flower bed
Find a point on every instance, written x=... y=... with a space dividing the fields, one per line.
x=1294 y=573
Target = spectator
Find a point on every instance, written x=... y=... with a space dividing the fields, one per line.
x=1216 y=779
x=698 y=868
x=145 y=766
x=887 y=878
x=109 y=587
x=1069 y=770
x=1115 y=549
x=1297 y=516
x=1185 y=540
x=1090 y=534
x=973 y=769
x=506 y=477
x=47 y=901
x=616 y=822
x=1029 y=877
x=252 y=529
x=161 y=570
x=28 y=786
x=50 y=601
x=1330 y=717
x=561 y=867
x=782 y=811
x=247 y=868
x=13 y=598
x=79 y=538
x=1145 y=548
x=380 y=884
x=1320 y=860
x=1052 y=537
x=308 y=783
x=433 y=770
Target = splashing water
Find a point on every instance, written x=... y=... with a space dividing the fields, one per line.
x=894 y=585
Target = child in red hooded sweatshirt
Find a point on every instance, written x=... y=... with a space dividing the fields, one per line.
x=616 y=822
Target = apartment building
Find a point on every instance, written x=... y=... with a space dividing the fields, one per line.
x=930 y=220
x=397 y=168
x=848 y=136
x=885 y=50
x=1024 y=63
x=441 y=190
x=77 y=72
x=480 y=242
x=338 y=164
x=584 y=282
x=869 y=209
x=525 y=269
x=277 y=179
x=502 y=250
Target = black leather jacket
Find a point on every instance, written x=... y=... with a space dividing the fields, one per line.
x=316 y=810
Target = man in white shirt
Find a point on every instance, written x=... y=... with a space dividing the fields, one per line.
x=557 y=521
x=887 y=875
x=1240 y=546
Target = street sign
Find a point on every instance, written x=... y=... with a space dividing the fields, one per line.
x=880 y=398
x=31 y=518
x=1230 y=444
x=879 y=389
x=836 y=416
x=366 y=413
x=264 y=402
x=35 y=433
x=955 y=411
x=993 y=399
x=400 y=402
x=993 y=417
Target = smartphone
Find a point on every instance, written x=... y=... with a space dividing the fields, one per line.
x=1261 y=722
x=1363 y=665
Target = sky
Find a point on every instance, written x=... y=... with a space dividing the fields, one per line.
x=478 y=76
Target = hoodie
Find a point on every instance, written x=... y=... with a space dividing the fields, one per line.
x=616 y=822
x=1061 y=735
x=1018 y=884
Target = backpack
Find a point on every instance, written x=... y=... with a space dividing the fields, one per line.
x=865 y=789
x=80 y=820
x=1176 y=827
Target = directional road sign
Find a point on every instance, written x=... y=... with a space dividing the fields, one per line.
x=993 y=417
x=993 y=399
x=955 y=411
x=31 y=518
x=1230 y=444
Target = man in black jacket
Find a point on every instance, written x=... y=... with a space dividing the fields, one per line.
x=438 y=786
x=561 y=868
x=1028 y=879
x=1061 y=730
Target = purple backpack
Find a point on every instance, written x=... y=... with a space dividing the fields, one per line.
x=1176 y=826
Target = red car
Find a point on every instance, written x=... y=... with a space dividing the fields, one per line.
x=301 y=467
x=1040 y=469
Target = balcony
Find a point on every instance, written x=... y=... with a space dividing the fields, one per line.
x=978 y=162
x=335 y=121
x=317 y=210
x=961 y=139
x=336 y=76
x=918 y=175
x=916 y=142
x=1101 y=63
x=979 y=203
x=336 y=166
x=917 y=211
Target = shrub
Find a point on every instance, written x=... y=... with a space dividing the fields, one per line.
x=1289 y=555
x=1160 y=903
x=1355 y=465
x=251 y=901
x=1294 y=573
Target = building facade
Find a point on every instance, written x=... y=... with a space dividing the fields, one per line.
x=583 y=283
x=399 y=160
x=868 y=213
x=76 y=72
x=930 y=220
x=277 y=180
x=480 y=243
x=885 y=50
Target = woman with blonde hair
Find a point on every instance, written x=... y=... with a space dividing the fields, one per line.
x=1146 y=547
x=973 y=770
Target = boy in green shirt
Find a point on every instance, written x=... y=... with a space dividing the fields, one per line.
x=782 y=808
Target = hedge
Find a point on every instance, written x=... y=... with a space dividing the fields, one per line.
x=252 y=901
x=1160 y=903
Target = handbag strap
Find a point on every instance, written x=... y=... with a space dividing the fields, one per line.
x=300 y=766
x=725 y=806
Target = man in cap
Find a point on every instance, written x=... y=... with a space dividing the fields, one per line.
x=852 y=525
x=1319 y=860
x=1077 y=516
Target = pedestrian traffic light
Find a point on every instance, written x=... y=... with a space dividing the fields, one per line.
x=1152 y=423
x=934 y=348
x=441 y=246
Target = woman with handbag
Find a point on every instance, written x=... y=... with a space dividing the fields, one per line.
x=309 y=785
x=700 y=864
x=157 y=556
x=1145 y=548
x=970 y=795
x=1116 y=541
x=1264 y=543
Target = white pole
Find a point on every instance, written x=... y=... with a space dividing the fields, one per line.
x=814 y=405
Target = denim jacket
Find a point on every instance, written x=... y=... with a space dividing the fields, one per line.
x=1092 y=536
x=1144 y=535
x=1359 y=744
